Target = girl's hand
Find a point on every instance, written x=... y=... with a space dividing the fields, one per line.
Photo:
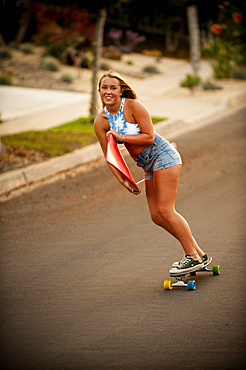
x=114 y=133
x=130 y=188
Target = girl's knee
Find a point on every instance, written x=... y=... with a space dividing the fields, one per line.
x=156 y=218
x=166 y=213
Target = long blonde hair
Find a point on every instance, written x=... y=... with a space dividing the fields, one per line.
x=126 y=89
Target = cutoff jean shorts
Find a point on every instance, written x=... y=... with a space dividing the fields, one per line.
x=161 y=154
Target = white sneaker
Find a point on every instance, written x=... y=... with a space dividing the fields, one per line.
x=187 y=265
x=204 y=259
x=175 y=264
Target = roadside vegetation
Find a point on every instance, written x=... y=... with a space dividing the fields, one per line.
x=58 y=140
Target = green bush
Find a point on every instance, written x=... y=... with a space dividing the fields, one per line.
x=5 y=79
x=190 y=81
x=66 y=77
x=56 y=49
x=5 y=53
x=223 y=57
x=50 y=63
x=151 y=69
x=50 y=66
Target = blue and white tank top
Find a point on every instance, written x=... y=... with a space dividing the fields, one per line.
x=118 y=122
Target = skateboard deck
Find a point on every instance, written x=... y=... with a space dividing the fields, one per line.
x=114 y=158
x=191 y=284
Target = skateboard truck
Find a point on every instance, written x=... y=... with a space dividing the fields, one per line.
x=169 y=285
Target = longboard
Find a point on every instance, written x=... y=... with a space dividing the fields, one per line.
x=191 y=284
x=114 y=158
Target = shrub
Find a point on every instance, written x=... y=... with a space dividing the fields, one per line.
x=210 y=86
x=5 y=79
x=227 y=51
x=105 y=66
x=50 y=63
x=5 y=53
x=66 y=77
x=51 y=66
x=55 y=50
x=60 y=26
x=190 y=81
x=151 y=69
x=27 y=48
x=240 y=74
x=223 y=57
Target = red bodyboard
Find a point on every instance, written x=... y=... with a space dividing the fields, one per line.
x=114 y=158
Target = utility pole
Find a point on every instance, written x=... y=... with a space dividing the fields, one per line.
x=98 y=43
x=194 y=36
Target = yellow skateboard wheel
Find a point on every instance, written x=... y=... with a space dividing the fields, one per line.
x=168 y=285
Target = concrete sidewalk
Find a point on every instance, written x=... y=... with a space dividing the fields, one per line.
x=161 y=93
x=24 y=109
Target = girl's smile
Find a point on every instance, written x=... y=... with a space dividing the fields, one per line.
x=110 y=91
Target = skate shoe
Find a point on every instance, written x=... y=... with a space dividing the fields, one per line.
x=204 y=259
x=187 y=264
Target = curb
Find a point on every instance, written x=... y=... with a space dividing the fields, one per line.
x=173 y=127
x=12 y=181
x=15 y=179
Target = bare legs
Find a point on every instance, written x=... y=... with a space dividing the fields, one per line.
x=161 y=195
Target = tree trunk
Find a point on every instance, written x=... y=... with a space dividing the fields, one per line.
x=24 y=22
x=98 y=43
x=194 y=37
x=2 y=42
x=172 y=39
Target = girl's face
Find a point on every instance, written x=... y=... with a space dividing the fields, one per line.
x=110 y=90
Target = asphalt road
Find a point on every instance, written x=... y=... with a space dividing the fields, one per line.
x=82 y=268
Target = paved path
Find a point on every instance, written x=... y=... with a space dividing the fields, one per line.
x=83 y=266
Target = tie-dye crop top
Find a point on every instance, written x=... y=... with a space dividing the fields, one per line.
x=119 y=124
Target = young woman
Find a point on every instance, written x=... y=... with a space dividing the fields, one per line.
x=129 y=121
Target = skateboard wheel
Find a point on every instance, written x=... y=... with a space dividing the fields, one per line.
x=216 y=270
x=168 y=285
x=191 y=285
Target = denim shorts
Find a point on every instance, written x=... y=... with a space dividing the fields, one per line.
x=161 y=154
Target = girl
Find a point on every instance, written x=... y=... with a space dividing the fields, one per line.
x=126 y=117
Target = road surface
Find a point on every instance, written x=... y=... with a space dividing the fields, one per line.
x=82 y=268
